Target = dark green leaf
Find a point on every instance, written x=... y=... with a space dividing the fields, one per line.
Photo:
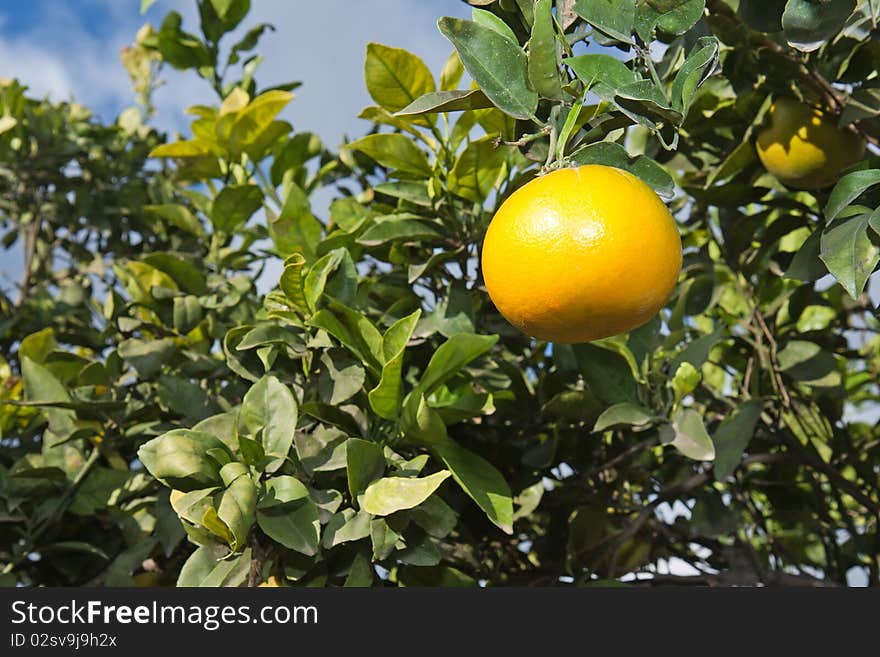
x=613 y=17
x=206 y=568
x=234 y=205
x=478 y=169
x=481 y=481
x=394 y=151
x=848 y=189
x=809 y=23
x=271 y=407
x=543 y=59
x=446 y=101
x=365 y=464
x=850 y=251
x=452 y=356
x=612 y=154
x=496 y=64
x=180 y=459
x=732 y=437
x=607 y=373
x=288 y=515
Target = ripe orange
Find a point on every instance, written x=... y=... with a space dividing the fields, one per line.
x=581 y=254
x=803 y=149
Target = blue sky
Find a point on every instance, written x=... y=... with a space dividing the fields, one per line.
x=71 y=50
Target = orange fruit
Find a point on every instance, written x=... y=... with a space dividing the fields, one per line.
x=804 y=149
x=581 y=254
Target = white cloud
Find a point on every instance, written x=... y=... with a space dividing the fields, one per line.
x=59 y=57
x=322 y=45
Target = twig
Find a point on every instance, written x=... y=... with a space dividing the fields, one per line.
x=774 y=363
x=258 y=557
x=632 y=529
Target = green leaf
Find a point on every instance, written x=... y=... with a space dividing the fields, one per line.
x=420 y=423
x=294 y=154
x=807 y=24
x=234 y=205
x=645 y=98
x=764 y=16
x=270 y=334
x=381 y=116
x=270 y=406
x=543 y=59
x=603 y=74
x=332 y=416
x=206 y=568
x=684 y=381
x=691 y=438
x=346 y=526
x=181 y=49
x=391 y=494
x=180 y=459
x=613 y=17
x=257 y=116
x=291 y=282
x=187 y=313
x=452 y=72
x=385 y=397
x=412 y=191
x=354 y=331
x=481 y=481
x=394 y=151
x=672 y=20
x=850 y=251
x=626 y=414
x=184 y=149
x=607 y=373
x=365 y=463
x=361 y=573
x=395 y=77
x=178 y=216
x=496 y=64
x=807 y=363
x=399 y=229
x=446 y=101
x=420 y=551
x=347 y=379
x=398 y=335
x=238 y=503
x=37 y=346
x=452 y=356
x=493 y=22
x=383 y=538
x=806 y=264
x=315 y=282
x=185 y=274
x=295 y=230
x=848 y=189
x=732 y=437
x=698 y=66
x=435 y=516
x=614 y=155
x=478 y=169
x=287 y=514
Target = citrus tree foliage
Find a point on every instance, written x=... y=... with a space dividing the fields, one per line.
x=370 y=418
